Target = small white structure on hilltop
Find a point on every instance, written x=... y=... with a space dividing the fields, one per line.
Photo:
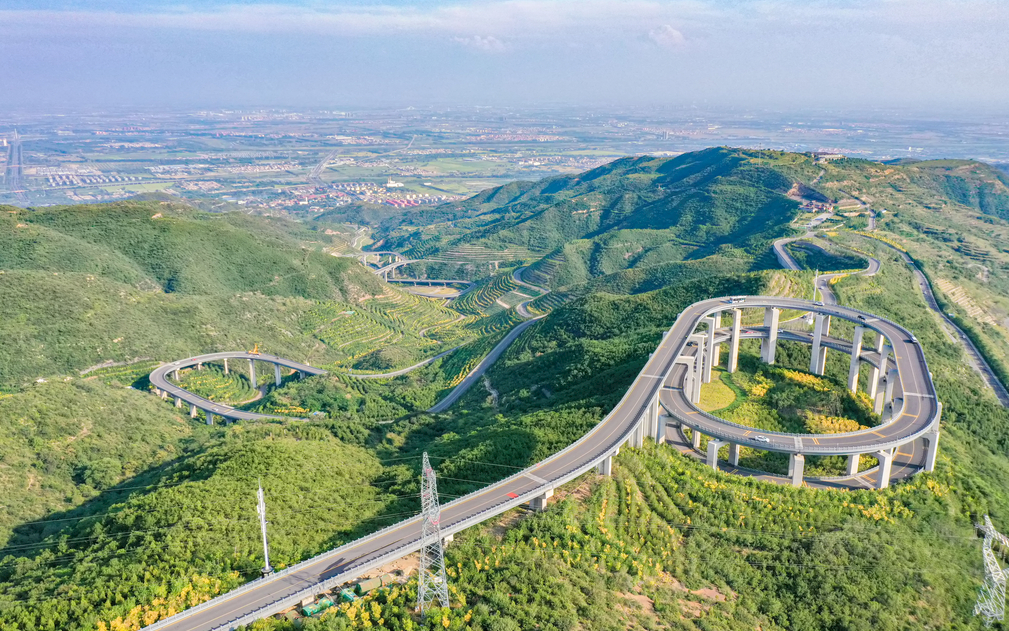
x=393 y=184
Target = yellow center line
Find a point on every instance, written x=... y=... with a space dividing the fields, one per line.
x=878 y=434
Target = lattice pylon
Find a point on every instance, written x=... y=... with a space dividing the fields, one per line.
x=432 y=589
x=991 y=597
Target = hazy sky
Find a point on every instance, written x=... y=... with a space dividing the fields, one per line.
x=787 y=53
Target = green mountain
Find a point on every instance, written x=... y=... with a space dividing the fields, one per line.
x=631 y=213
x=120 y=510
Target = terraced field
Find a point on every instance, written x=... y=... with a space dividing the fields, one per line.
x=483 y=298
x=542 y=271
x=417 y=327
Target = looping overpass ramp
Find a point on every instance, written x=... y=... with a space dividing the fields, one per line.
x=165 y=388
x=661 y=396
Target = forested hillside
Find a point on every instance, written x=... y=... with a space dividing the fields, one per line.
x=120 y=510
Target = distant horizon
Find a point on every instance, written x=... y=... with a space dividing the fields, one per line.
x=936 y=57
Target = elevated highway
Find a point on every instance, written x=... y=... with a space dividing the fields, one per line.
x=660 y=397
x=165 y=388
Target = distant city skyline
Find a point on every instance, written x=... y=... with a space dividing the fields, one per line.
x=923 y=55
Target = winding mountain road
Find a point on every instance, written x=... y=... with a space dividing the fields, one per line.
x=658 y=387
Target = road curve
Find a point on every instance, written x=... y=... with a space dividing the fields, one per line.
x=159 y=379
x=917 y=415
x=658 y=381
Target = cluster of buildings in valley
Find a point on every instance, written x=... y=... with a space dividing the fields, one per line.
x=517 y=138
x=392 y=193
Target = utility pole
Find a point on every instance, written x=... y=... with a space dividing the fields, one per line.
x=432 y=588
x=261 y=509
x=991 y=597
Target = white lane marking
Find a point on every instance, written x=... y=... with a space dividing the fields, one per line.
x=535 y=478
x=918 y=394
x=652 y=376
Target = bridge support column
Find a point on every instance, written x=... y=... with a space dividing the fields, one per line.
x=713 y=447
x=885 y=458
x=178 y=402
x=660 y=428
x=252 y=373
x=737 y=321
x=796 y=464
x=818 y=358
x=638 y=436
x=447 y=539
x=193 y=410
x=932 y=442
x=175 y=375
x=225 y=365
x=695 y=378
x=769 y=344
x=210 y=417
x=605 y=466
x=695 y=438
x=715 y=349
x=734 y=454
x=539 y=504
x=887 y=401
x=856 y=351
x=163 y=394
x=852 y=468
x=276 y=374
x=880 y=376
x=709 y=350
x=873 y=384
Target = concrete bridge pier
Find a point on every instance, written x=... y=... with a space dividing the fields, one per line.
x=873 y=384
x=539 y=504
x=818 y=358
x=695 y=438
x=696 y=376
x=734 y=454
x=880 y=376
x=175 y=374
x=737 y=321
x=276 y=374
x=932 y=442
x=769 y=344
x=716 y=349
x=637 y=439
x=660 y=428
x=225 y=365
x=210 y=417
x=852 y=464
x=856 y=352
x=178 y=402
x=713 y=447
x=605 y=466
x=886 y=402
x=885 y=457
x=193 y=410
x=796 y=464
x=709 y=347
x=252 y=373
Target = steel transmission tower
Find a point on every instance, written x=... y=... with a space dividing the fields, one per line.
x=991 y=598
x=432 y=590
x=261 y=509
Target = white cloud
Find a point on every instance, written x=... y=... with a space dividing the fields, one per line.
x=489 y=44
x=667 y=37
